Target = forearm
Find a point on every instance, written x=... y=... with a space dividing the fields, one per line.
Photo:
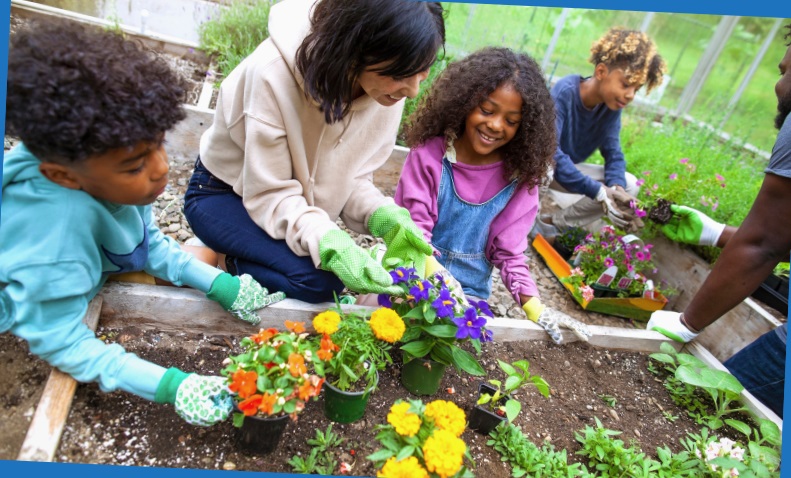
x=726 y=235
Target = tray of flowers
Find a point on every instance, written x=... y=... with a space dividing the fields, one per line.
x=609 y=274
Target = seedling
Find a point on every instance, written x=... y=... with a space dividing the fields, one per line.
x=518 y=376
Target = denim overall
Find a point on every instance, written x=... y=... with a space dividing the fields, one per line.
x=461 y=233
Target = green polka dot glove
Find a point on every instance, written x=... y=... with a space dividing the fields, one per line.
x=199 y=400
x=403 y=238
x=353 y=265
x=242 y=296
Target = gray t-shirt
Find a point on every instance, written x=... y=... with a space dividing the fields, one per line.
x=780 y=164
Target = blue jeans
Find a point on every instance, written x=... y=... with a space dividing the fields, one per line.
x=218 y=217
x=760 y=367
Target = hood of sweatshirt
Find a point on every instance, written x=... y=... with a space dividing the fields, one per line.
x=19 y=165
x=289 y=24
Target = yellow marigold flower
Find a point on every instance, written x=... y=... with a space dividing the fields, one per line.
x=405 y=423
x=327 y=322
x=444 y=453
x=387 y=325
x=447 y=416
x=406 y=468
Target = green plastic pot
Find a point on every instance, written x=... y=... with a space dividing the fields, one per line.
x=346 y=407
x=422 y=376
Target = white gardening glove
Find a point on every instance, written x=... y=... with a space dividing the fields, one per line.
x=669 y=324
x=552 y=320
x=606 y=197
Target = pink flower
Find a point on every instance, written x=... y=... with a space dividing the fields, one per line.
x=639 y=255
x=608 y=262
x=640 y=182
x=720 y=178
x=683 y=160
x=587 y=293
x=639 y=212
x=646 y=173
x=715 y=206
x=673 y=177
x=655 y=187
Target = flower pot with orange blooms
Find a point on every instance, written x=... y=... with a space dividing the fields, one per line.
x=351 y=350
x=422 y=441
x=271 y=382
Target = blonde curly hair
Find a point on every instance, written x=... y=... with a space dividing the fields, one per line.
x=632 y=51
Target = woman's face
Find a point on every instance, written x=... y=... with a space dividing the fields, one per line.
x=387 y=90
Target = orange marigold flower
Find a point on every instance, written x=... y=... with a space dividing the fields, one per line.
x=296 y=327
x=296 y=365
x=250 y=406
x=264 y=335
x=244 y=383
x=267 y=403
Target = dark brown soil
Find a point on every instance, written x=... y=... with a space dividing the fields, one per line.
x=661 y=212
x=122 y=429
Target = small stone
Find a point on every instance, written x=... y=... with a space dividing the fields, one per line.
x=637 y=433
x=596 y=363
x=229 y=465
x=174 y=227
x=567 y=364
x=181 y=181
x=614 y=415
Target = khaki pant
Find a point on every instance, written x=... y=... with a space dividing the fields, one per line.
x=578 y=209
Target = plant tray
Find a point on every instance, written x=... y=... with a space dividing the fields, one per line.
x=773 y=292
x=637 y=308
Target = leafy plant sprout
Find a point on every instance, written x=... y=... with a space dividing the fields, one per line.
x=518 y=376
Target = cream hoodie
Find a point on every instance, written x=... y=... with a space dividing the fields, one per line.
x=295 y=173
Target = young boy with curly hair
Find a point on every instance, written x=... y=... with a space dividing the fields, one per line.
x=588 y=117
x=91 y=110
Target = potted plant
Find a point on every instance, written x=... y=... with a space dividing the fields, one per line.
x=495 y=404
x=270 y=383
x=422 y=440
x=568 y=239
x=350 y=351
x=438 y=320
x=774 y=289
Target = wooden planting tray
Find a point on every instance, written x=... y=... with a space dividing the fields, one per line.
x=637 y=308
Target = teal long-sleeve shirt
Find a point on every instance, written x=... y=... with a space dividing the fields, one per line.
x=57 y=248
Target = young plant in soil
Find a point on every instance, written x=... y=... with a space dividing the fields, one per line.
x=528 y=459
x=321 y=459
x=566 y=242
x=661 y=213
x=518 y=376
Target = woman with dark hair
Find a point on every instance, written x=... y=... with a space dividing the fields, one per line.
x=300 y=127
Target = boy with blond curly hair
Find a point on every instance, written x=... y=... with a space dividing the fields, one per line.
x=588 y=117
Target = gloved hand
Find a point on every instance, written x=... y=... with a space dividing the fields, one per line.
x=242 y=296
x=454 y=286
x=552 y=320
x=669 y=324
x=608 y=197
x=691 y=226
x=402 y=237
x=353 y=265
x=199 y=400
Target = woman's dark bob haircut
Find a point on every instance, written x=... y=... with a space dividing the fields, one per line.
x=348 y=36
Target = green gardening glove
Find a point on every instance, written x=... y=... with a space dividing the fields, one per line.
x=199 y=400
x=242 y=296
x=353 y=265
x=402 y=237
x=691 y=226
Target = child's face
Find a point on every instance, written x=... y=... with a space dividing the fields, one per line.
x=133 y=176
x=387 y=90
x=492 y=124
x=614 y=88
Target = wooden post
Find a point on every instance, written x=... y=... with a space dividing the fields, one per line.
x=45 y=429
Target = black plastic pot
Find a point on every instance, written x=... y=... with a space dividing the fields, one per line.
x=564 y=251
x=603 y=292
x=261 y=434
x=774 y=293
x=482 y=419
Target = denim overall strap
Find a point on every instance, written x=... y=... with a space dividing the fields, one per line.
x=462 y=231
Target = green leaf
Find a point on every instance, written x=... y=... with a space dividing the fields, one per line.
x=380 y=455
x=418 y=348
x=664 y=358
x=541 y=385
x=415 y=313
x=770 y=432
x=465 y=361
x=709 y=378
x=445 y=331
x=667 y=348
x=507 y=368
x=512 y=383
x=740 y=426
x=442 y=353
x=405 y=452
x=524 y=365
x=512 y=409
x=238 y=419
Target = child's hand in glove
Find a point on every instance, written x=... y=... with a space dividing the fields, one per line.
x=402 y=237
x=199 y=400
x=242 y=296
x=552 y=320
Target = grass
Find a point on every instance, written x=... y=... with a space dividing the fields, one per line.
x=235 y=33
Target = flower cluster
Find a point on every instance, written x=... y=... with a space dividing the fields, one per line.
x=422 y=440
x=270 y=376
x=437 y=317
x=609 y=250
x=352 y=347
x=677 y=185
x=722 y=448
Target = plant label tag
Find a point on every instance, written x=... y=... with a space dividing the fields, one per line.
x=624 y=283
x=648 y=292
x=607 y=276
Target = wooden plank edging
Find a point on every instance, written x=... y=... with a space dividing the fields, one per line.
x=46 y=427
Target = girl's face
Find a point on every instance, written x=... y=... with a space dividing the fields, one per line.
x=490 y=126
x=387 y=90
x=615 y=91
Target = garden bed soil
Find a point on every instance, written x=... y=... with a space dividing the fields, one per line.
x=122 y=429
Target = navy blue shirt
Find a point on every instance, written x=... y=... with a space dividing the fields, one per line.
x=581 y=131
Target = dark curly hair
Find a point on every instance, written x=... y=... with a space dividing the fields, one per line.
x=634 y=52
x=76 y=91
x=347 y=36
x=465 y=83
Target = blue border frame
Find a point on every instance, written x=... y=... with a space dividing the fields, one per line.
x=756 y=8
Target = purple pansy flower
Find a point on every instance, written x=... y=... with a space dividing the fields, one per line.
x=420 y=290
x=483 y=307
x=384 y=301
x=402 y=274
x=470 y=325
x=444 y=304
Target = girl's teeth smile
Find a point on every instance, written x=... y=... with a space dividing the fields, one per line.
x=488 y=138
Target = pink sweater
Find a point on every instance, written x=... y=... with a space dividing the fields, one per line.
x=418 y=189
